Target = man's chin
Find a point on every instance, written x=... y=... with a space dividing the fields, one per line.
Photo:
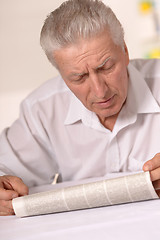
x=105 y=115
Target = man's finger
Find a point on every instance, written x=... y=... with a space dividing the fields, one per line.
x=155 y=174
x=6 y=208
x=6 y=214
x=7 y=194
x=6 y=204
x=156 y=185
x=18 y=185
x=6 y=211
x=158 y=193
x=9 y=204
x=153 y=163
x=5 y=185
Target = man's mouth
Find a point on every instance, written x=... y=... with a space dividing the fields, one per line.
x=105 y=103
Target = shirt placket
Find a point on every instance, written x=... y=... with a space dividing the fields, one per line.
x=113 y=157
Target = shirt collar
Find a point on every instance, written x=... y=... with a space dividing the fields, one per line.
x=139 y=100
x=75 y=110
x=78 y=112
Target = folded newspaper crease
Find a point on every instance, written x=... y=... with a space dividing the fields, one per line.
x=131 y=188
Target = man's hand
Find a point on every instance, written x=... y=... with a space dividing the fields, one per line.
x=153 y=166
x=10 y=187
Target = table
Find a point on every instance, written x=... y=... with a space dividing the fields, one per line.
x=129 y=221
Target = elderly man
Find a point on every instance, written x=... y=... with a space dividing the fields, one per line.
x=100 y=116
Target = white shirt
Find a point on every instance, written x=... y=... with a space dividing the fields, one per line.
x=57 y=134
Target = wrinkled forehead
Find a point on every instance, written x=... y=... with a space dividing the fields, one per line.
x=93 y=48
x=76 y=61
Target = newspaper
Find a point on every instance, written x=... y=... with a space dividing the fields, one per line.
x=131 y=188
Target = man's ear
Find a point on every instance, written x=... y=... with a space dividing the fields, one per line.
x=126 y=53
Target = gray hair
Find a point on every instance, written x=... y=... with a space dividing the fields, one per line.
x=77 y=19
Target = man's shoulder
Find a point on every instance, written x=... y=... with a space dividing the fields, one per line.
x=149 y=68
x=47 y=90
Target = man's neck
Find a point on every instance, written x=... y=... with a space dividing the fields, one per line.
x=109 y=122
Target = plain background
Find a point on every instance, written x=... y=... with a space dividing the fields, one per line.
x=23 y=65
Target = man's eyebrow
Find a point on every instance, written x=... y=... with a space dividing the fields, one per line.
x=83 y=73
x=76 y=74
x=101 y=65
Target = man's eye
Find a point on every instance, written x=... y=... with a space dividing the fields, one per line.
x=107 y=68
x=78 y=80
x=81 y=78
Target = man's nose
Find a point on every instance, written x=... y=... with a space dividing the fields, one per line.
x=98 y=85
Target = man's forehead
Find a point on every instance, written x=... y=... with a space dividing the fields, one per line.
x=78 y=73
x=94 y=53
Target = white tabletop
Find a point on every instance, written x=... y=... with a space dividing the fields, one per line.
x=140 y=220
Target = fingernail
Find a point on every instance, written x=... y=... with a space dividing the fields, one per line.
x=14 y=195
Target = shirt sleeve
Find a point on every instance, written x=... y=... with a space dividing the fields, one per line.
x=25 y=150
